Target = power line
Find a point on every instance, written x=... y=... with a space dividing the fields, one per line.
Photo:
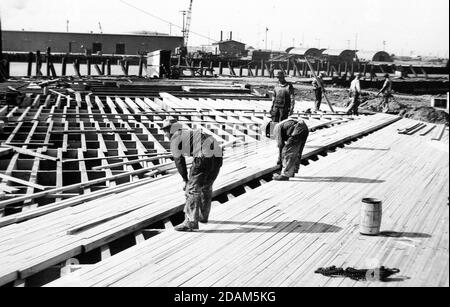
x=166 y=21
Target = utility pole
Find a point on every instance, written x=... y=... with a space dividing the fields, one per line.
x=267 y=30
x=184 y=22
x=384 y=45
x=67 y=25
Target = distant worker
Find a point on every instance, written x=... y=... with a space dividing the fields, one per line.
x=355 y=91
x=387 y=92
x=283 y=100
x=208 y=159
x=291 y=135
x=319 y=89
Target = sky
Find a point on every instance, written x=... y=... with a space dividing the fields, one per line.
x=402 y=27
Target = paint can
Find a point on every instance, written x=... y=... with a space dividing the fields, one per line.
x=371 y=216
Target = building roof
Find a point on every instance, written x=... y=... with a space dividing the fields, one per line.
x=150 y=34
x=230 y=41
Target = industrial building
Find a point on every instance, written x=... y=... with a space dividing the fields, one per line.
x=95 y=43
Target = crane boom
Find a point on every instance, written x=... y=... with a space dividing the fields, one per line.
x=188 y=24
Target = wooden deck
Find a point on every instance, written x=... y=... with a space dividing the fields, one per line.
x=280 y=233
x=31 y=243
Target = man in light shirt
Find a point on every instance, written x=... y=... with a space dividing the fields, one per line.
x=355 y=90
x=319 y=89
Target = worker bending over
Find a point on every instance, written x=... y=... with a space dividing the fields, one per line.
x=291 y=135
x=319 y=90
x=208 y=159
x=283 y=100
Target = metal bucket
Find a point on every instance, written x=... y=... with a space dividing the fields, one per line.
x=371 y=216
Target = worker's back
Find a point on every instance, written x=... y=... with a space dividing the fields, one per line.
x=194 y=143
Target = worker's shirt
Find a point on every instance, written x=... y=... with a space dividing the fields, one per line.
x=283 y=93
x=355 y=87
x=318 y=83
x=192 y=143
x=289 y=128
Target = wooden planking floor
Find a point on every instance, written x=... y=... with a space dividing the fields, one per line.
x=280 y=233
x=24 y=247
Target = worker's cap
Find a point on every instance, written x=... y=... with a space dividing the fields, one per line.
x=386 y=75
x=171 y=124
x=281 y=74
x=322 y=74
x=360 y=75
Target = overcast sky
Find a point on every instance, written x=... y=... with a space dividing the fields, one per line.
x=419 y=26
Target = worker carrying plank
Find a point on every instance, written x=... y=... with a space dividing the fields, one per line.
x=208 y=159
x=283 y=100
x=291 y=135
x=355 y=94
x=387 y=92
x=319 y=90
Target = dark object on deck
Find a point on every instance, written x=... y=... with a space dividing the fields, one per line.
x=380 y=274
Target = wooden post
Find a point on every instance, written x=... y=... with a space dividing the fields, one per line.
x=141 y=66
x=53 y=71
x=328 y=68
x=220 y=68
x=353 y=68
x=413 y=71
x=346 y=69
x=262 y=68
x=38 y=64
x=241 y=71
x=288 y=67
x=47 y=61
x=103 y=68
x=108 y=67
x=256 y=70
x=98 y=70
x=211 y=68
x=76 y=67
x=127 y=67
x=30 y=64
x=339 y=70
x=64 y=66
x=122 y=66
x=88 y=63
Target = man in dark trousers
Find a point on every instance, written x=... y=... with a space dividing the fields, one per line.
x=208 y=159
x=355 y=91
x=387 y=92
x=283 y=100
x=291 y=135
x=319 y=90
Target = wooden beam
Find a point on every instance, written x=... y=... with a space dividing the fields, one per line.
x=30 y=153
x=21 y=182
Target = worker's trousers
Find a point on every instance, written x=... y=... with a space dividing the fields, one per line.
x=353 y=108
x=203 y=173
x=279 y=114
x=292 y=153
x=319 y=96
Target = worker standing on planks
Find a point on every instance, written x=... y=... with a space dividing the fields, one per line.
x=291 y=135
x=319 y=89
x=208 y=159
x=283 y=100
x=355 y=91
x=387 y=92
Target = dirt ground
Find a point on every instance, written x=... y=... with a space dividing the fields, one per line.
x=409 y=106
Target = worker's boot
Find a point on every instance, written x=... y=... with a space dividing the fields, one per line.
x=187 y=227
x=280 y=178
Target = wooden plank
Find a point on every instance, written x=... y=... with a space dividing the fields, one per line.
x=439 y=133
x=21 y=182
x=30 y=153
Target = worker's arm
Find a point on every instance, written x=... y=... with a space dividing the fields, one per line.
x=383 y=89
x=180 y=163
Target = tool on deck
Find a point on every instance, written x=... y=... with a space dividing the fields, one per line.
x=379 y=274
